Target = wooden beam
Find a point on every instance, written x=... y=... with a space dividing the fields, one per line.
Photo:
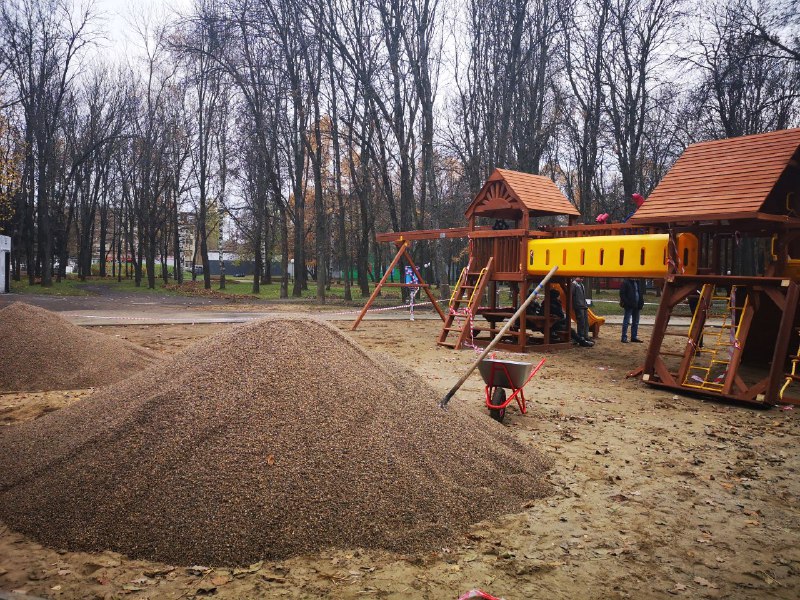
x=423 y=234
x=659 y=328
x=424 y=285
x=740 y=384
x=498 y=233
x=779 y=356
x=663 y=373
x=753 y=391
x=401 y=248
x=762 y=282
x=777 y=297
x=695 y=331
x=742 y=329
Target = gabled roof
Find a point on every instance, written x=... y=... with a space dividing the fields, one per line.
x=507 y=192
x=736 y=178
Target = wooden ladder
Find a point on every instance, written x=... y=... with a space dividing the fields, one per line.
x=464 y=302
x=709 y=364
x=793 y=376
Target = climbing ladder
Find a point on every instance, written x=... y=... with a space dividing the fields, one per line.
x=791 y=377
x=713 y=348
x=465 y=300
x=757 y=314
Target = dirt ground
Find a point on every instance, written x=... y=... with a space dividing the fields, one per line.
x=654 y=496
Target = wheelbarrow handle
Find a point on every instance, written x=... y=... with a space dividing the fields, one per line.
x=498 y=337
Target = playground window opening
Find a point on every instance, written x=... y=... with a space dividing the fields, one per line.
x=685 y=257
x=583 y=257
x=641 y=257
x=564 y=257
x=602 y=256
x=621 y=256
x=547 y=257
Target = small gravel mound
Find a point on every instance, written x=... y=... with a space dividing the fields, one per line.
x=41 y=351
x=273 y=439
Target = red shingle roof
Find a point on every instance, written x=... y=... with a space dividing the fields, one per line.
x=721 y=179
x=522 y=191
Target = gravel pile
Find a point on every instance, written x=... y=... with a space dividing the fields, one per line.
x=272 y=439
x=40 y=351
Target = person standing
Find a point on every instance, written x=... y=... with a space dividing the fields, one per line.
x=631 y=299
x=581 y=308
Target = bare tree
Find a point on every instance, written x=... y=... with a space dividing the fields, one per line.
x=635 y=59
x=42 y=41
x=587 y=26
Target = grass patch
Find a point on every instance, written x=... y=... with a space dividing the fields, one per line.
x=66 y=287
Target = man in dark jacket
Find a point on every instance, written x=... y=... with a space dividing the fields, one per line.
x=581 y=308
x=631 y=299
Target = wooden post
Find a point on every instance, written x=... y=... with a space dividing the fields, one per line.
x=402 y=250
x=422 y=283
x=659 y=328
x=401 y=247
x=776 y=374
x=695 y=331
x=742 y=328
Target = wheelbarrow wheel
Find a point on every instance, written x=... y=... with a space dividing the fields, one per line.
x=498 y=399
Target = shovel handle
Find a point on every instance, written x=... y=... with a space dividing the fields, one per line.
x=497 y=338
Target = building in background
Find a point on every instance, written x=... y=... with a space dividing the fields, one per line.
x=5 y=264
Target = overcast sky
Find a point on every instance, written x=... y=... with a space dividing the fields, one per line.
x=116 y=17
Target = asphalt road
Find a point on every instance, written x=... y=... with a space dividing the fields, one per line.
x=151 y=308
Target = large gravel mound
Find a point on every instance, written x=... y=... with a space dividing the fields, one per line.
x=41 y=351
x=272 y=439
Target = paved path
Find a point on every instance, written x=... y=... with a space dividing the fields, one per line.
x=143 y=308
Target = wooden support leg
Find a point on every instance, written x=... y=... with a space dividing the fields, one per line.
x=695 y=331
x=401 y=249
x=776 y=374
x=659 y=328
x=422 y=281
x=741 y=332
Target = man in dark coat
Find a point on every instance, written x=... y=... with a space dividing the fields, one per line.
x=581 y=308
x=631 y=298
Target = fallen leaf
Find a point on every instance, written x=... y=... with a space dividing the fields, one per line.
x=270 y=460
x=705 y=582
x=206 y=589
x=198 y=570
x=254 y=568
x=158 y=572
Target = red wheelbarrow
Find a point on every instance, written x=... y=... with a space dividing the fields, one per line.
x=501 y=374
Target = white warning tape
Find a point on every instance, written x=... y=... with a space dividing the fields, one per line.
x=385 y=308
x=617 y=302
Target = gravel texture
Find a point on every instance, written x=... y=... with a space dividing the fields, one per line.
x=272 y=439
x=40 y=351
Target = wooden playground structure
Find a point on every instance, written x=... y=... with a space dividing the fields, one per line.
x=720 y=200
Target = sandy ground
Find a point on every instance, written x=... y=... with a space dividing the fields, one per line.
x=654 y=496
